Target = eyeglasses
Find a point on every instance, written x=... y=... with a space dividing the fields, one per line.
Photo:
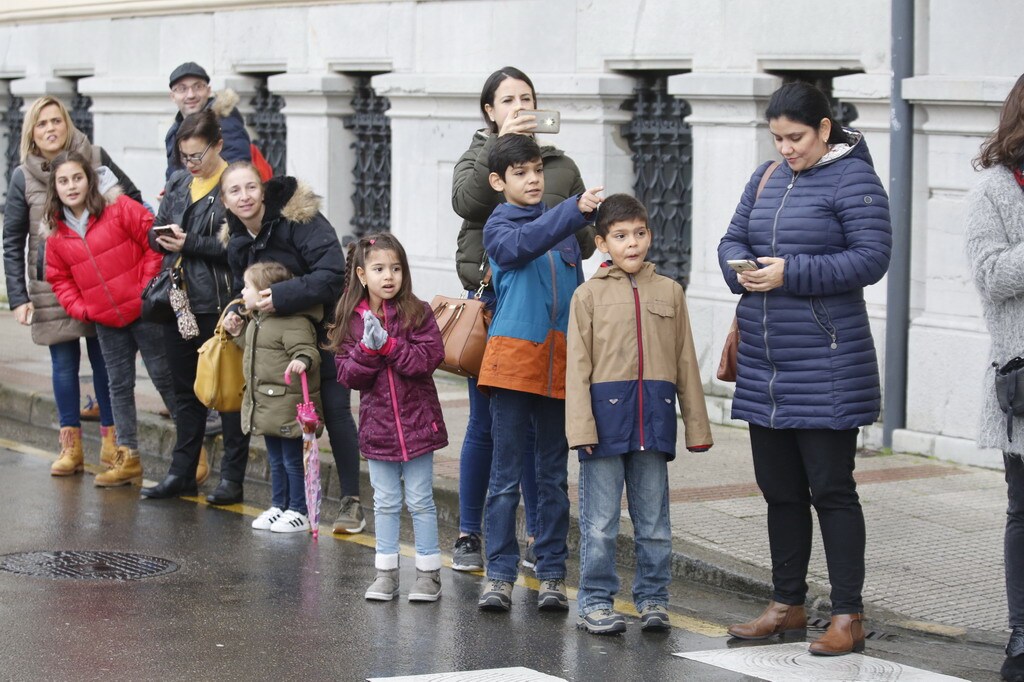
x=182 y=89
x=195 y=159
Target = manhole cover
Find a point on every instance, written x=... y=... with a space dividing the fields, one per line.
x=86 y=565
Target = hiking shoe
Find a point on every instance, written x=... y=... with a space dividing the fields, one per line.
x=265 y=520
x=552 y=596
x=427 y=586
x=654 y=618
x=529 y=557
x=350 y=518
x=497 y=596
x=385 y=586
x=467 y=555
x=290 y=521
x=602 y=622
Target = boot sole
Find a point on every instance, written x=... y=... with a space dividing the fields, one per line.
x=351 y=531
x=494 y=604
x=603 y=630
x=799 y=632
x=119 y=484
x=423 y=597
x=77 y=470
x=380 y=596
x=857 y=648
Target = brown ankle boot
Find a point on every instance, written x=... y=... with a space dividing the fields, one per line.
x=71 y=460
x=127 y=469
x=844 y=635
x=108 y=449
x=777 y=619
x=203 y=470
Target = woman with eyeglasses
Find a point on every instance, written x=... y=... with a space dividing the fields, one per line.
x=193 y=211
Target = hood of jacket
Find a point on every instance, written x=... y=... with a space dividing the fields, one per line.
x=284 y=197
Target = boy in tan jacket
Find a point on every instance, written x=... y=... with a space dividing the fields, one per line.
x=630 y=355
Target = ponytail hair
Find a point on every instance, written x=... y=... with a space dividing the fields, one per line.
x=409 y=309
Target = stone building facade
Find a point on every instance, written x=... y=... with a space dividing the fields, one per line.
x=355 y=77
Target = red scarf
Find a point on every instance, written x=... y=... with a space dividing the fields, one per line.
x=1019 y=174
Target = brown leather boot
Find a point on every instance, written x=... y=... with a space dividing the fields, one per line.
x=777 y=619
x=844 y=635
x=108 y=447
x=71 y=460
x=127 y=469
x=203 y=470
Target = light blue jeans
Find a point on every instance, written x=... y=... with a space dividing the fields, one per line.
x=386 y=479
x=645 y=475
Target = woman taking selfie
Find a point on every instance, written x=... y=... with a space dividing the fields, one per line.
x=46 y=132
x=817 y=232
x=506 y=100
x=186 y=227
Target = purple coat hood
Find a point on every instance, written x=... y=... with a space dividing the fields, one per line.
x=399 y=412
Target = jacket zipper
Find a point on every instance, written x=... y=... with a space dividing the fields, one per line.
x=764 y=307
x=394 y=398
x=106 y=289
x=830 y=330
x=640 y=362
x=554 y=316
x=251 y=345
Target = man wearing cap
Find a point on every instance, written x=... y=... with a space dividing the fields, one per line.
x=190 y=92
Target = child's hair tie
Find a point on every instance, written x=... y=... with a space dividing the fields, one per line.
x=372 y=242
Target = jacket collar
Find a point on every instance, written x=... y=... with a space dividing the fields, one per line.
x=607 y=269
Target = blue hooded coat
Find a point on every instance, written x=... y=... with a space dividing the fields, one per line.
x=806 y=357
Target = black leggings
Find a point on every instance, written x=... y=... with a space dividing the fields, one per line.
x=1013 y=540
x=797 y=468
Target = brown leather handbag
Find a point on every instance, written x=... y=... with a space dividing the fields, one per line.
x=727 y=365
x=463 y=323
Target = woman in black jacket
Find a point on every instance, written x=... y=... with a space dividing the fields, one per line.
x=193 y=212
x=281 y=222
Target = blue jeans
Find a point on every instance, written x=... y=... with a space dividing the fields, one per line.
x=287 y=478
x=386 y=479
x=645 y=475
x=65 y=359
x=120 y=347
x=512 y=413
x=475 y=467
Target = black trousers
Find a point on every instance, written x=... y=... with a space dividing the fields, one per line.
x=341 y=428
x=1013 y=540
x=190 y=420
x=798 y=468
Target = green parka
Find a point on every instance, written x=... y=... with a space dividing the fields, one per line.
x=474 y=200
x=270 y=343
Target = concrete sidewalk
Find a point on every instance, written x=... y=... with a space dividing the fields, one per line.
x=934 y=552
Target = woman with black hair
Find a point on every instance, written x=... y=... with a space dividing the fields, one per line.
x=817 y=229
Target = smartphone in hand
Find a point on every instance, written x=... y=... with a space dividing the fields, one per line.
x=548 y=120
x=164 y=231
x=742 y=265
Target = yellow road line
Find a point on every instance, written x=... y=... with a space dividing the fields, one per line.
x=689 y=623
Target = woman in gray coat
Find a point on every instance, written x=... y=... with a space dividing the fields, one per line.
x=995 y=249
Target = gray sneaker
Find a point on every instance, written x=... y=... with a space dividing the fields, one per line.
x=385 y=586
x=350 y=518
x=602 y=622
x=552 y=597
x=427 y=586
x=497 y=596
x=654 y=618
x=467 y=555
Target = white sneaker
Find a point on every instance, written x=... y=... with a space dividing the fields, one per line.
x=291 y=522
x=264 y=520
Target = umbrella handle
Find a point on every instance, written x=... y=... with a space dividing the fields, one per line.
x=305 y=384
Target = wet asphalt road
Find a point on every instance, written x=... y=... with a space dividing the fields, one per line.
x=253 y=605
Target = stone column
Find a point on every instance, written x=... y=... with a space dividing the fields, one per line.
x=319 y=147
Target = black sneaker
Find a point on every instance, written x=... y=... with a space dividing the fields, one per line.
x=467 y=555
x=552 y=596
x=602 y=622
x=654 y=618
x=213 y=425
x=497 y=596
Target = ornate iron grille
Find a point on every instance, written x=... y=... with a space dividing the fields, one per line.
x=270 y=126
x=662 y=147
x=80 y=114
x=12 y=120
x=372 y=170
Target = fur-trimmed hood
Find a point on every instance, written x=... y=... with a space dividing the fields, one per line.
x=284 y=197
x=223 y=102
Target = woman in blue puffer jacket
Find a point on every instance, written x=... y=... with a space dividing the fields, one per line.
x=807 y=375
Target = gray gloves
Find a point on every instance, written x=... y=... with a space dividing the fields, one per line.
x=374 y=336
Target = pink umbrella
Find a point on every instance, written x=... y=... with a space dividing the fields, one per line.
x=307 y=417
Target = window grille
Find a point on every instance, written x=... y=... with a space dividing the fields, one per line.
x=270 y=126
x=372 y=170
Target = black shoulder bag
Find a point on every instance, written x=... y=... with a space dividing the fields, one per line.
x=1010 y=391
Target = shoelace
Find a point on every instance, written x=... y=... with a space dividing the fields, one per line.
x=496 y=586
x=552 y=585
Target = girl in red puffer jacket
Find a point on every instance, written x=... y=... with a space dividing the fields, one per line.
x=98 y=261
x=388 y=347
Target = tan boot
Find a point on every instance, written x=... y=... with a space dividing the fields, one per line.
x=844 y=635
x=71 y=460
x=108 y=449
x=203 y=470
x=777 y=619
x=127 y=469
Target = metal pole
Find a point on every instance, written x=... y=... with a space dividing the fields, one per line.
x=901 y=155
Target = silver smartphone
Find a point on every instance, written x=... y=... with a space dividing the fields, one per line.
x=548 y=121
x=741 y=265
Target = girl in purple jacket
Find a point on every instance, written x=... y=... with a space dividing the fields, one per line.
x=388 y=347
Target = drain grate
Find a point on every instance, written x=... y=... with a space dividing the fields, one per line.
x=823 y=623
x=86 y=565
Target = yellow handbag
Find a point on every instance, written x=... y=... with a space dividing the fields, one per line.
x=219 y=378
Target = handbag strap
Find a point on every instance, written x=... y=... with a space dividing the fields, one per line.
x=484 y=283
x=219 y=330
x=764 y=178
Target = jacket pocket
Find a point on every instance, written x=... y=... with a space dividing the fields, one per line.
x=824 y=320
x=614 y=410
x=660 y=404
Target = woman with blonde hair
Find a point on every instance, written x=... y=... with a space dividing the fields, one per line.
x=46 y=132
